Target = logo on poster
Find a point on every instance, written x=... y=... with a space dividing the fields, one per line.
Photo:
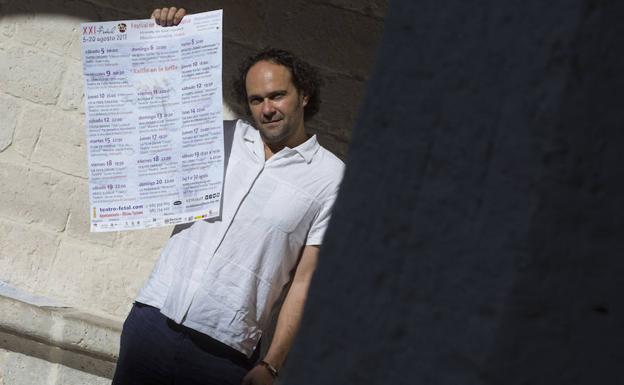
x=88 y=30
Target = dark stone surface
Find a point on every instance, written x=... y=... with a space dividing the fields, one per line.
x=479 y=234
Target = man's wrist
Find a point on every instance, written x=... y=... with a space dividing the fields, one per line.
x=272 y=369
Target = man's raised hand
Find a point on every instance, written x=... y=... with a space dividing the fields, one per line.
x=168 y=16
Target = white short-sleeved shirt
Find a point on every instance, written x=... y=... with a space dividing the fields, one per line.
x=223 y=277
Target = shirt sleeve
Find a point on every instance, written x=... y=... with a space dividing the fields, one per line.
x=319 y=225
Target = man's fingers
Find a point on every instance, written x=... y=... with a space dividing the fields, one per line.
x=163 y=16
x=156 y=16
x=170 y=15
x=177 y=18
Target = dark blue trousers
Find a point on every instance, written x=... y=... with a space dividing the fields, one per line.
x=155 y=350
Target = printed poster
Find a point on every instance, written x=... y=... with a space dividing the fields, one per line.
x=153 y=105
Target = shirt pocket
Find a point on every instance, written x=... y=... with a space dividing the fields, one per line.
x=286 y=208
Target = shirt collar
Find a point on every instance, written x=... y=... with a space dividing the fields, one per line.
x=306 y=149
x=251 y=134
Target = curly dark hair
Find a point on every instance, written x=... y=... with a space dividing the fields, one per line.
x=305 y=78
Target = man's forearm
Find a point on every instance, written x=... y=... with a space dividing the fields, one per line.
x=291 y=312
x=287 y=325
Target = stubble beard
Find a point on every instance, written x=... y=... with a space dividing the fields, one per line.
x=276 y=135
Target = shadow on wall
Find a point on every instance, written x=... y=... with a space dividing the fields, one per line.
x=486 y=245
x=338 y=37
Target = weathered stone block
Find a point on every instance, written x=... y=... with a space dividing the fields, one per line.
x=326 y=36
x=70 y=376
x=20 y=369
x=96 y=278
x=9 y=110
x=326 y=136
x=341 y=98
x=78 y=224
x=233 y=55
x=34 y=196
x=375 y=8
x=36 y=77
x=145 y=244
x=3 y=359
x=26 y=254
x=60 y=142
x=116 y=9
x=45 y=32
x=72 y=88
x=7 y=25
x=240 y=20
x=40 y=24
x=83 y=346
x=40 y=324
x=63 y=150
x=27 y=130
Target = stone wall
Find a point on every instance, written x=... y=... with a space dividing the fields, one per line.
x=52 y=345
x=46 y=246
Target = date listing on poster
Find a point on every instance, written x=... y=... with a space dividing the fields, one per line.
x=154 y=121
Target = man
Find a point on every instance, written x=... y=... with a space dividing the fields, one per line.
x=201 y=314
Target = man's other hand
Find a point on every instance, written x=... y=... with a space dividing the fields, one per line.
x=259 y=375
x=168 y=16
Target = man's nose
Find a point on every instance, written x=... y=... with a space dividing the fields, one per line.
x=267 y=107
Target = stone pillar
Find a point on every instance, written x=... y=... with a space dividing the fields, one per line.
x=479 y=233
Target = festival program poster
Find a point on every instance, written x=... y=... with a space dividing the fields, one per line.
x=153 y=105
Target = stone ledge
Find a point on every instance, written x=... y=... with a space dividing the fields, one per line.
x=66 y=336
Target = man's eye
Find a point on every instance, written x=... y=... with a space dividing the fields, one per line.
x=254 y=102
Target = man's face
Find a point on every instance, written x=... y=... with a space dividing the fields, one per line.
x=275 y=103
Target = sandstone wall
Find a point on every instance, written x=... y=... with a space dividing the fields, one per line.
x=45 y=244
